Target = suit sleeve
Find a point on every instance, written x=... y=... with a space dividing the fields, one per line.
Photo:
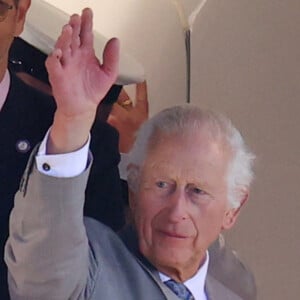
x=47 y=250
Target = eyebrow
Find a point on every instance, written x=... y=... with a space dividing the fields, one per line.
x=3 y=2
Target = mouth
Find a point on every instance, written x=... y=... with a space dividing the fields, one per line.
x=172 y=234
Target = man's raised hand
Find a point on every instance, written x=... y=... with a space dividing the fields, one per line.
x=77 y=77
x=79 y=81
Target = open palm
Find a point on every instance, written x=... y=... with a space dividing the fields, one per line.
x=79 y=81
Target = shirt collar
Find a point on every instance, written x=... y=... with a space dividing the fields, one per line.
x=195 y=284
x=4 y=87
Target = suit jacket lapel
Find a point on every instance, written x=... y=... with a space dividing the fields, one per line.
x=215 y=290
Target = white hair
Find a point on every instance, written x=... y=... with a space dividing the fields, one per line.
x=181 y=120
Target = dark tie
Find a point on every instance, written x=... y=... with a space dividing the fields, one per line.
x=179 y=289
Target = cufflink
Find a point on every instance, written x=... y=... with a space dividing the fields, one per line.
x=46 y=167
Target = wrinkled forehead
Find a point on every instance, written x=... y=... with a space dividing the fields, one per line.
x=198 y=147
x=187 y=137
x=197 y=160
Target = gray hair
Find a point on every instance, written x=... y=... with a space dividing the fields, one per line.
x=181 y=120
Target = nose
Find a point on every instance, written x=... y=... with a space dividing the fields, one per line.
x=177 y=206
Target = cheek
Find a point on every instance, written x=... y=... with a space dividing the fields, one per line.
x=6 y=39
x=145 y=212
x=145 y=216
x=208 y=222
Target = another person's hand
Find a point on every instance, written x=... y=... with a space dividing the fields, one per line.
x=127 y=117
x=79 y=81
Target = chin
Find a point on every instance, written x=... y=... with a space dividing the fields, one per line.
x=170 y=257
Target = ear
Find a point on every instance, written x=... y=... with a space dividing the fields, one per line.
x=22 y=9
x=231 y=214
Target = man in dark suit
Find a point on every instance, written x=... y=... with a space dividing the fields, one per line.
x=189 y=176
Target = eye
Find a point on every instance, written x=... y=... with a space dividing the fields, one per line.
x=197 y=191
x=163 y=188
x=161 y=184
x=197 y=194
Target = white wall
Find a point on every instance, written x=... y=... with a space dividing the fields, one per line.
x=246 y=62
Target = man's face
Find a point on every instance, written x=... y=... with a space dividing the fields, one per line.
x=182 y=205
x=10 y=27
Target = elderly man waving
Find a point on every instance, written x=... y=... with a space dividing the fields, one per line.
x=189 y=176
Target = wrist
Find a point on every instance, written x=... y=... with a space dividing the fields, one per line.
x=69 y=134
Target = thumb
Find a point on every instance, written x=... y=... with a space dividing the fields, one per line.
x=142 y=97
x=111 y=57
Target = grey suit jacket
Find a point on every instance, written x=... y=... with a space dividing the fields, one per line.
x=53 y=254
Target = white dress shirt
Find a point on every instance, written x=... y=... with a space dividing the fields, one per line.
x=62 y=165
x=70 y=164
x=196 y=283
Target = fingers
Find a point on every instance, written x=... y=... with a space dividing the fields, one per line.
x=119 y=113
x=113 y=121
x=86 y=30
x=64 y=44
x=75 y=23
x=142 y=97
x=53 y=64
x=111 y=58
x=74 y=34
x=74 y=57
x=60 y=55
x=123 y=96
x=62 y=41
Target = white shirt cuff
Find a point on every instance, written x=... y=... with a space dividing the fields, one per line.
x=62 y=165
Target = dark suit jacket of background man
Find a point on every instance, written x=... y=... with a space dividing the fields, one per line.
x=25 y=117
